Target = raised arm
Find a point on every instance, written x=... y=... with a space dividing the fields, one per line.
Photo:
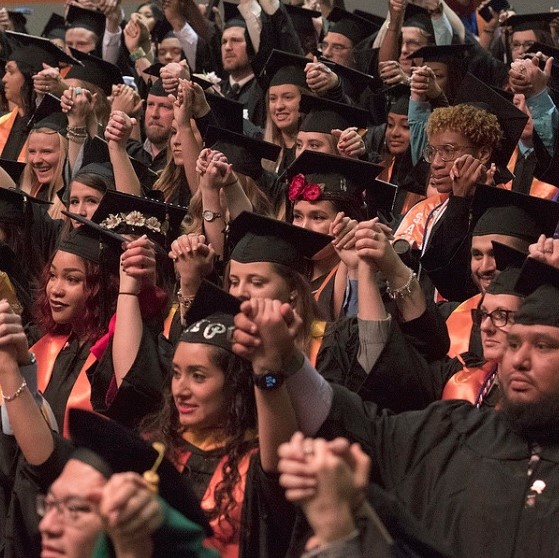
x=30 y=429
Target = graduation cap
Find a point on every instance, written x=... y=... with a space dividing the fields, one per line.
x=55 y=27
x=284 y=68
x=128 y=214
x=19 y=19
x=526 y=22
x=49 y=115
x=302 y=17
x=228 y=113
x=96 y=231
x=350 y=25
x=508 y=261
x=512 y=120
x=324 y=115
x=104 y=170
x=373 y=18
x=232 y=15
x=330 y=176
x=91 y=20
x=30 y=52
x=540 y=283
x=416 y=16
x=14 y=203
x=398 y=99
x=500 y=211
x=358 y=80
x=157 y=89
x=210 y=318
x=122 y=450
x=261 y=239
x=95 y=70
x=243 y=152
x=442 y=53
x=85 y=242
x=380 y=196
x=14 y=169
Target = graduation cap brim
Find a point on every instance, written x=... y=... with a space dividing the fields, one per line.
x=55 y=27
x=124 y=451
x=50 y=104
x=43 y=44
x=543 y=212
x=103 y=232
x=88 y=19
x=375 y=19
x=506 y=256
x=278 y=60
x=534 y=274
x=314 y=162
x=511 y=119
x=210 y=299
x=380 y=196
x=366 y=26
x=443 y=53
x=96 y=71
x=353 y=115
x=529 y=21
x=304 y=243
x=15 y=170
x=299 y=11
x=154 y=69
x=359 y=80
x=257 y=148
x=229 y=113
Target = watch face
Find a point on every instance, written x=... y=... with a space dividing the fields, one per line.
x=269 y=381
x=210 y=215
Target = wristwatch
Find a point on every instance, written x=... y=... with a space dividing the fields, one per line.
x=269 y=381
x=210 y=216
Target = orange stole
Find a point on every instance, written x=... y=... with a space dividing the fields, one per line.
x=47 y=350
x=538 y=188
x=223 y=540
x=169 y=320
x=412 y=227
x=467 y=383
x=459 y=325
x=6 y=123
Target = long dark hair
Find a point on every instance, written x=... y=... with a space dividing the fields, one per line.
x=100 y=294
x=164 y=426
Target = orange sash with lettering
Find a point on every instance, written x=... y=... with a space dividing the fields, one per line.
x=459 y=325
x=468 y=382
x=47 y=350
x=6 y=123
x=223 y=539
x=413 y=225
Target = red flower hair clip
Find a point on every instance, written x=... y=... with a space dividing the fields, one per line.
x=300 y=189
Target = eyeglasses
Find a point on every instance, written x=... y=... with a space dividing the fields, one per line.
x=335 y=47
x=70 y=509
x=446 y=151
x=515 y=45
x=499 y=317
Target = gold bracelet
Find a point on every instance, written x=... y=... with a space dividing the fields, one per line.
x=19 y=391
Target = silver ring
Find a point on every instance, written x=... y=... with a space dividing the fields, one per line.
x=78 y=90
x=308 y=451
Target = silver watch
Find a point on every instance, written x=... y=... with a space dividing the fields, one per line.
x=210 y=216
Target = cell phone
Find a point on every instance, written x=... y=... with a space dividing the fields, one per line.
x=496 y=5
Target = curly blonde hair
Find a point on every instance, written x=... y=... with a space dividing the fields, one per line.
x=480 y=127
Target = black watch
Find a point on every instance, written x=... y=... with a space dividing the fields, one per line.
x=269 y=381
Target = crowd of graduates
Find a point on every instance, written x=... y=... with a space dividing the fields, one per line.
x=279 y=280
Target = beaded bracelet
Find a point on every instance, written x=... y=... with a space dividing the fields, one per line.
x=18 y=392
x=403 y=291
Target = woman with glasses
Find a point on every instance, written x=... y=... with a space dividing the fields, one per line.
x=460 y=142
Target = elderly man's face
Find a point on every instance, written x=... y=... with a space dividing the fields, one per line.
x=70 y=525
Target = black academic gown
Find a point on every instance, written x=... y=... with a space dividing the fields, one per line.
x=462 y=472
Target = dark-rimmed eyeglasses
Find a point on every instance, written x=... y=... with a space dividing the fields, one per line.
x=499 y=317
x=71 y=510
x=446 y=151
